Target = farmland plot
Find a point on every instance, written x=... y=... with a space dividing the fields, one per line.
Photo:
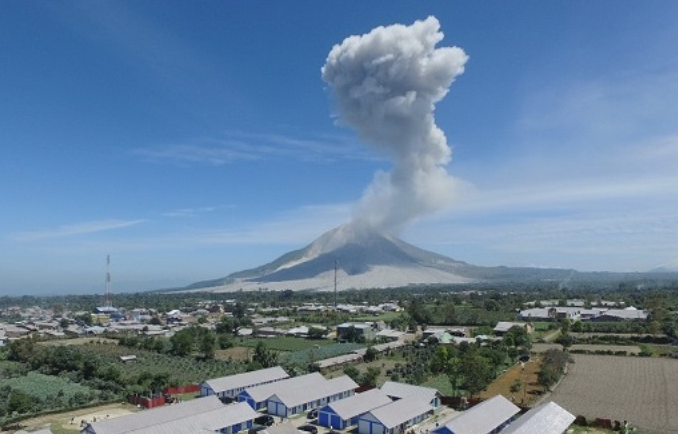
x=642 y=390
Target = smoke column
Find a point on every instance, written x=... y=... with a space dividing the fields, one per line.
x=386 y=84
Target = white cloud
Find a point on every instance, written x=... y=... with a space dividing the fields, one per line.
x=77 y=229
x=239 y=146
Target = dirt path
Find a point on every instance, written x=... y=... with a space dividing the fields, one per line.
x=71 y=420
x=526 y=374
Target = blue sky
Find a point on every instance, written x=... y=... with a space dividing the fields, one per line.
x=189 y=140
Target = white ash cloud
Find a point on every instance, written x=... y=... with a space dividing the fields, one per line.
x=386 y=84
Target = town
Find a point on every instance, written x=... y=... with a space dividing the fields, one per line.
x=438 y=360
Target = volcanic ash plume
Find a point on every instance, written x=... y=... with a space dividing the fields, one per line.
x=386 y=84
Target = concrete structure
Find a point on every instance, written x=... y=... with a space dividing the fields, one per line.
x=488 y=417
x=346 y=412
x=232 y=385
x=548 y=418
x=291 y=400
x=396 y=417
x=361 y=330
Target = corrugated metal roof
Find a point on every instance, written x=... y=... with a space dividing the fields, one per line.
x=338 y=360
x=401 y=411
x=265 y=391
x=293 y=396
x=484 y=417
x=359 y=403
x=401 y=390
x=156 y=416
x=213 y=420
x=548 y=418
x=247 y=379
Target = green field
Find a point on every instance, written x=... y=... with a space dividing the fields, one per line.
x=47 y=387
x=286 y=343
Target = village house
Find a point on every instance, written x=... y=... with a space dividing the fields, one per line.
x=257 y=396
x=503 y=327
x=396 y=417
x=547 y=418
x=188 y=417
x=488 y=417
x=230 y=386
x=346 y=412
x=288 y=401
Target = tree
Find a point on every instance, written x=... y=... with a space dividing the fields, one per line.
x=477 y=372
x=516 y=386
x=19 y=401
x=352 y=372
x=565 y=326
x=369 y=378
x=182 y=342
x=208 y=344
x=263 y=356
x=317 y=332
x=370 y=354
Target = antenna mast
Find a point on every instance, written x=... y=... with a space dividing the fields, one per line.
x=107 y=299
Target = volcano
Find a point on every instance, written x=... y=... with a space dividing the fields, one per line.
x=361 y=258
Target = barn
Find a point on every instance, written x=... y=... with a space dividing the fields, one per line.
x=202 y=414
x=488 y=417
x=293 y=400
x=396 y=417
x=344 y=413
x=258 y=396
x=548 y=418
x=232 y=385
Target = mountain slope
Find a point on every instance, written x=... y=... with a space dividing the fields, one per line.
x=366 y=259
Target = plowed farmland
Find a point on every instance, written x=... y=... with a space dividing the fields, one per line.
x=643 y=391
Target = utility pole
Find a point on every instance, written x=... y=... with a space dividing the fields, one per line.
x=335 y=285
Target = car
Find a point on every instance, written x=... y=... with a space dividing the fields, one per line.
x=312 y=414
x=265 y=419
x=308 y=428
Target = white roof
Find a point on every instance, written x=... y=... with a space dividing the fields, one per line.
x=548 y=418
x=338 y=360
x=402 y=390
x=626 y=313
x=157 y=416
x=293 y=396
x=504 y=326
x=303 y=382
x=247 y=379
x=360 y=403
x=213 y=421
x=400 y=411
x=484 y=417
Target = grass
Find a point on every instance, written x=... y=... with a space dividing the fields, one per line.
x=442 y=384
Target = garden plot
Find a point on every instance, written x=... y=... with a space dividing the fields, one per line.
x=642 y=390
